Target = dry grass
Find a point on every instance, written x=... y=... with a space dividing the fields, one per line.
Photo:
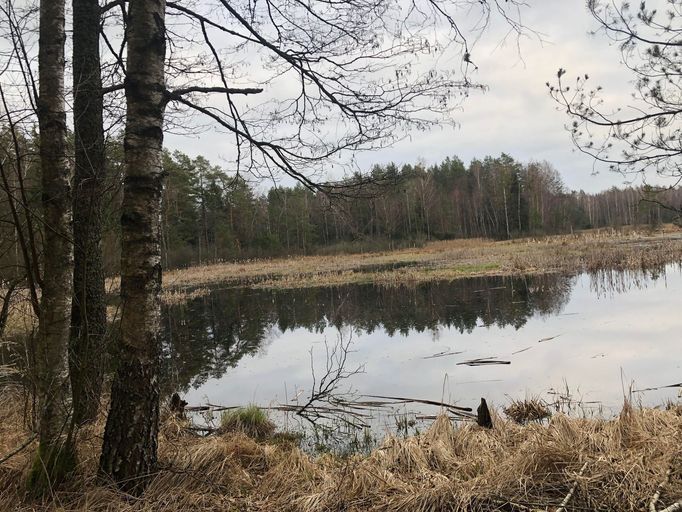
x=592 y=250
x=528 y=410
x=172 y=296
x=614 y=465
x=20 y=317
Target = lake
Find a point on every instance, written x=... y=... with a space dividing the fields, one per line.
x=583 y=340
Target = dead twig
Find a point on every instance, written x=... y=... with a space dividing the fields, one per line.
x=484 y=361
x=17 y=450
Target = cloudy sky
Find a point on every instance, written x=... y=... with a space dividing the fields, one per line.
x=516 y=114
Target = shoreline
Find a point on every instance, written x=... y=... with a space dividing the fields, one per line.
x=625 y=463
x=446 y=260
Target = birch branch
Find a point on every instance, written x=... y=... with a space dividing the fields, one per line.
x=673 y=507
x=568 y=497
x=659 y=489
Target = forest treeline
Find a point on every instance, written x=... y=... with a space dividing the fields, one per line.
x=210 y=216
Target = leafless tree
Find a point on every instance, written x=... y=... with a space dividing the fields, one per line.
x=88 y=314
x=330 y=78
x=130 y=438
x=643 y=136
x=55 y=453
x=336 y=77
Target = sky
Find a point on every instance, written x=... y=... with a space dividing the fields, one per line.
x=516 y=114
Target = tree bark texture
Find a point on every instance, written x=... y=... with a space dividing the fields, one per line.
x=130 y=438
x=52 y=381
x=88 y=313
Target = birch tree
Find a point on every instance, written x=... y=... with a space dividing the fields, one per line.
x=359 y=82
x=55 y=454
x=130 y=438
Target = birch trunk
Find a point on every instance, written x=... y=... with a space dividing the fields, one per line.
x=54 y=452
x=130 y=438
x=88 y=313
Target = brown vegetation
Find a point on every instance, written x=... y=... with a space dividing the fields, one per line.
x=526 y=411
x=616 y=464
x=590 y=250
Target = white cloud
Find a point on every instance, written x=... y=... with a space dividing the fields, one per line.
x=516 y=115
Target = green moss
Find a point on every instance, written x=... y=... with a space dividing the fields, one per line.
x=51 y=466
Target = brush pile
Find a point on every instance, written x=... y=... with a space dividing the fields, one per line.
x=630 y=463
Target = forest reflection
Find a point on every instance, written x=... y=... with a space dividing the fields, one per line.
x=207 y=336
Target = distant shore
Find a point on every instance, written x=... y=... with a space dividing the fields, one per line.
x=592 y=250
x=627 y=249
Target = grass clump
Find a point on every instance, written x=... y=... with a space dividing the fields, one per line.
x=250 y=420
x=527 y=411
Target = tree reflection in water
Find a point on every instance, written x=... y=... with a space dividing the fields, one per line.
x=209 y=335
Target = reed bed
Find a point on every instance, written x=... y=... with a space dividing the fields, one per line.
x=446 y=260
x=628 y=463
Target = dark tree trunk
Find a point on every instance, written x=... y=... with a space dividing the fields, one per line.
x=54 y=458
x=88 y=313
x=130 y=437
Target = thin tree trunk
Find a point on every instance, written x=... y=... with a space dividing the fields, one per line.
x=55 y=455
x=5 y=305
x=506 y=213
x=88 y=313
x=130 y=438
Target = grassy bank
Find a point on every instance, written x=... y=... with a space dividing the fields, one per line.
x=591 y=464
x=446 y=260
x=592 y=250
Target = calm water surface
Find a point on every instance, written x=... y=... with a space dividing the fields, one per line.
x=595 y=335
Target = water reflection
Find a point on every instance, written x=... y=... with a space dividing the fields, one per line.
x=209 y=335
x=595 y=332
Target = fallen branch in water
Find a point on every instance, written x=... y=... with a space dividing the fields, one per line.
x=548 y=339
x=442 y=354
x=484 y=361
x=452 y=408
x=678 y=385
